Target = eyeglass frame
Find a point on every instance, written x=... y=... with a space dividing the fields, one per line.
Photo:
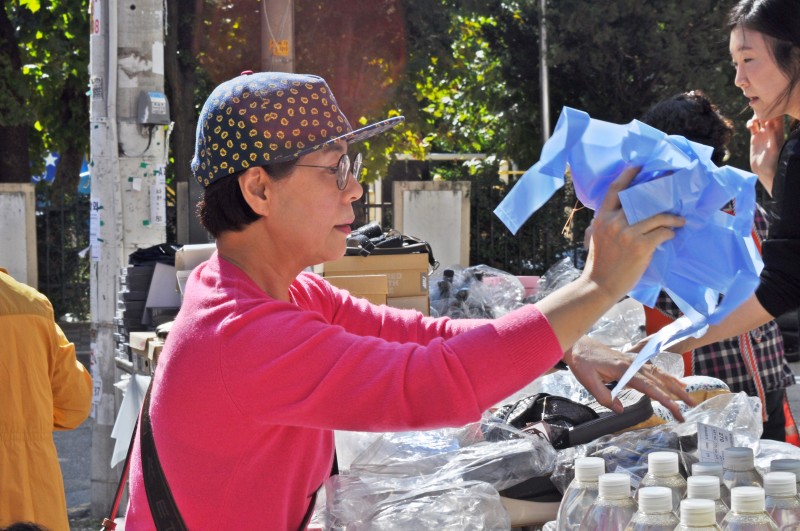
x=342 y=169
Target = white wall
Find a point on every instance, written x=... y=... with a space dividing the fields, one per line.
x=18 y=231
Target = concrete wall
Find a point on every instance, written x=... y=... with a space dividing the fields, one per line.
x=18 y=231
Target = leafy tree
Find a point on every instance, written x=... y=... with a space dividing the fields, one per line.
x=44 y=56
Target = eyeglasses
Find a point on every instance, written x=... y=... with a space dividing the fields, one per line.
x=341 y=169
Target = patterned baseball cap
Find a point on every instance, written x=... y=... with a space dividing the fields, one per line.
x=268 y=117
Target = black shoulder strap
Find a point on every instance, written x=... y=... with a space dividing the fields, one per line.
x=162 y=505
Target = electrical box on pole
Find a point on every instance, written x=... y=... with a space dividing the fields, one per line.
x=129 y=132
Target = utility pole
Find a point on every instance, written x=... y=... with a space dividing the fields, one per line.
x=277 y=35
x=129 y=127
x=545 y=86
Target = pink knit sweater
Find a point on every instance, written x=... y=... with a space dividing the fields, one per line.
x=248 y=389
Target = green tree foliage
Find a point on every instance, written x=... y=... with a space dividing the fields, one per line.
x=611 y=59
x=44 y=53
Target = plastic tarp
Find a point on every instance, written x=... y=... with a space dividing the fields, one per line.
x=712 y=264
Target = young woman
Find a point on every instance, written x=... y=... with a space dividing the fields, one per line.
x=265 y=360
x=765 y=48
x=693 y=116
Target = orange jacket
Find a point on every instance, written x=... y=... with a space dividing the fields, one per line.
x=42 y=387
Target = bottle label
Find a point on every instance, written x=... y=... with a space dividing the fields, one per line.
x=712 y=441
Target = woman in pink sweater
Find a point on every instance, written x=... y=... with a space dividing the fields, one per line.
x=265 y=360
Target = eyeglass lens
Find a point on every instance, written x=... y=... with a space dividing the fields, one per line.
x=344 y=169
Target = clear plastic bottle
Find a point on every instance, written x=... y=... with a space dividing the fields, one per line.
x=787 y=465
x=655 y=511
x=580 y=494
x=782 y=503
x=748 y=511
x=707 y=488
x=663 y=471
x=712 y=468
x=739 y=468
x=697 y=514
x=614 y=506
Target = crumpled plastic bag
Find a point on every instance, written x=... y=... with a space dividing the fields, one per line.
x=475 y=292
x=409 y=504
x=437 y=479
x=712 y=255
x=627 y=452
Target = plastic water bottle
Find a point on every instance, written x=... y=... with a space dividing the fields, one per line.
x=712 y=468
x=782 y=503
x=697 y=514
x=580 y=494
x=662 y=471
x=614 y=506
x=739 y=468
x=787 y=465
x=707 y=488
x=748 y=511
x=655 y=511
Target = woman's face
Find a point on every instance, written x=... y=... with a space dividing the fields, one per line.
x=312 y=216
x=762 y=81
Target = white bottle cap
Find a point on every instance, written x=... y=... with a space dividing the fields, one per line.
x=589 y=468
x=738 y=458
x=655 y=499
x=662 y=463
x=747 y=499
x=706 y=487
x=613 y=485
x=780 y=484
x=786 y=465
x=697 y=512
x=707 y=468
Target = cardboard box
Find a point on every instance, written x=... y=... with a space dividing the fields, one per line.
x=154 y=348
x=421 y=303
x=138 y=342
x=374 y=288
x=145 y=346
x=407 y=274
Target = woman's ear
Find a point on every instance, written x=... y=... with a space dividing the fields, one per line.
x=254 y=185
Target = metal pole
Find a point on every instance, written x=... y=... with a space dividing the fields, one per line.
x=545 y=88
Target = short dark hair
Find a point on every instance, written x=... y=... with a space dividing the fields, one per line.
x=694 y=116
x=23 y=526
x=222 y=206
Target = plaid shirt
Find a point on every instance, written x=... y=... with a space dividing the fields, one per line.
x=723 y=360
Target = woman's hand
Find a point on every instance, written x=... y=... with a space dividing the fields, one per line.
x=766 y=140
x=619 y=253
x=595 y=364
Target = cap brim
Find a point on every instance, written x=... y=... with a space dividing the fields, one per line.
x=351 y=138
x=369 y=131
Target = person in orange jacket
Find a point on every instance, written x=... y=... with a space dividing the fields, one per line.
x=44 y=388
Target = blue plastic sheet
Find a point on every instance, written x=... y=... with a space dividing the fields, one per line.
x=712 y=264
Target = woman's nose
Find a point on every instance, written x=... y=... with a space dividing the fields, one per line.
x=741 y=79
x=354 y=189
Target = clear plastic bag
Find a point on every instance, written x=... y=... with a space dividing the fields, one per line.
x=459 y=454
x=734 y=412
x=439 y=479
x=400 y=504
x=560 y=274
x=475 y=292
